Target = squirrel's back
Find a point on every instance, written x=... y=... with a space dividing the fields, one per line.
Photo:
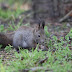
x=23 y=37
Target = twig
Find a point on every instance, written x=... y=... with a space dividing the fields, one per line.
x=43 y=60
x=35 y=69
x=66 y=16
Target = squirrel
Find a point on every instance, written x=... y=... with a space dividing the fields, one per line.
x=24 y=37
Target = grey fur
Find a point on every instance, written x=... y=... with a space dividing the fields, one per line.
x=27 y=37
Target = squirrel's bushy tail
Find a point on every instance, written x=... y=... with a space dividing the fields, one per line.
x=5 y=39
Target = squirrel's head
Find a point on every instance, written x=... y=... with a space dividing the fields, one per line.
x=39 y=33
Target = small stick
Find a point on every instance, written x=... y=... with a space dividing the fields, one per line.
x=43 y=60
x=65 y=17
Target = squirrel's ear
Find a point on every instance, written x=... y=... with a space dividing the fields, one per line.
x=41 y=25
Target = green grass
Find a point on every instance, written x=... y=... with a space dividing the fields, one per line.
x=58 y=61
x=10 y=14
x=10 y=2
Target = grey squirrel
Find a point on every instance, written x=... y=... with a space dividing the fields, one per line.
x=25 y=37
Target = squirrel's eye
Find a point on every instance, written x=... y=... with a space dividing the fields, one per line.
x=38 y=35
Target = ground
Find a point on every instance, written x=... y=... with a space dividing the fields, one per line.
x=58 y=60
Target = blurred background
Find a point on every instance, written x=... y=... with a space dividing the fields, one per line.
x=56 y=13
